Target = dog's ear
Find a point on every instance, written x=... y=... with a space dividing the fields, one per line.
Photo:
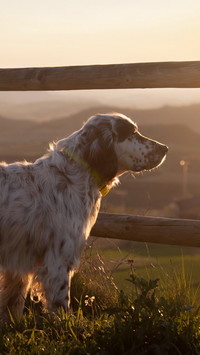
x=124 y=129
x=99 y=152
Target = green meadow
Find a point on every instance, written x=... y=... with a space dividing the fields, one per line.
x=151 y=261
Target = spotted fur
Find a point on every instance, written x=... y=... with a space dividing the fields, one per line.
x=47 y=208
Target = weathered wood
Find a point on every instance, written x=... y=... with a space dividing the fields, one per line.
x=171 y=231
x=113 y=76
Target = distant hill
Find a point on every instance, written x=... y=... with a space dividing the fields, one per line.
x=170 y=132
x=174 y=135
x=46 y=106
x=15 y=130
x=26 y=139
x=188 y=116
x=41 y=106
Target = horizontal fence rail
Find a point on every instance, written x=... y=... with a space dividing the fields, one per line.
x=170 y=231
x=112 y=76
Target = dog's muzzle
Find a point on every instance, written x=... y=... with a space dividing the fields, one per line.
x=157 y=156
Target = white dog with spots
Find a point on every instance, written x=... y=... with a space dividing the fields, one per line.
x=47 y=208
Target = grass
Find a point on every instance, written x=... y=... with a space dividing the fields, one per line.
x=151 y=261
x=151 y=317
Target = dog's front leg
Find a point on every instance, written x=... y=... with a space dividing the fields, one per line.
x=13 y=292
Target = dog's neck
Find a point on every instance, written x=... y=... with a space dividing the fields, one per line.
x=104 y=187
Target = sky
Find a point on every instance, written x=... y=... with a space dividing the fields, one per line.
x=36 y=33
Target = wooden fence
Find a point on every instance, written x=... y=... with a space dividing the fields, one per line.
x=115 y=76
x=171 y=231
x=141 y=75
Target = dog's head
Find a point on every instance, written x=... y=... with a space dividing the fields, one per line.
x=112 y=145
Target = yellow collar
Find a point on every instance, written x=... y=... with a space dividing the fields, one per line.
x=103 y=188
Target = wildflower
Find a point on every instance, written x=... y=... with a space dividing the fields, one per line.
x=89 y=300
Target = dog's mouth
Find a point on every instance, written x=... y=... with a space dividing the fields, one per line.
x=153 y=161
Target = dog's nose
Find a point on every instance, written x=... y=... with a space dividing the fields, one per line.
x=162 y=149
x=165 y=149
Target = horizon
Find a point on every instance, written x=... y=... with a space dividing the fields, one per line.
x=138 y=99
